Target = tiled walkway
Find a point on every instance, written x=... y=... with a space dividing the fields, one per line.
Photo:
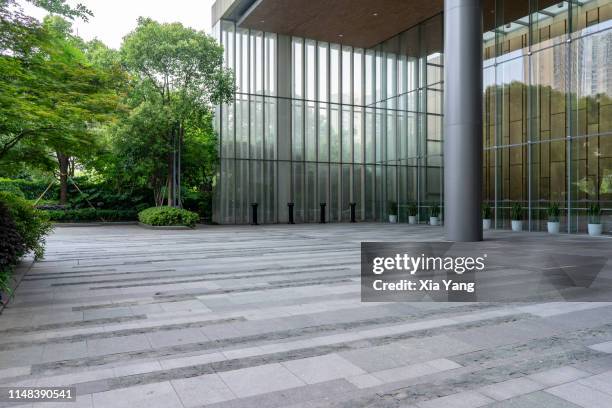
x=270 y=316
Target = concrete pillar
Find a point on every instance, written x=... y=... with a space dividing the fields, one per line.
x=283 y=131
x=463 y=119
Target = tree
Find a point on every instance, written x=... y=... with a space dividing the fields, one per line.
x=179 y=73
x=52 y=97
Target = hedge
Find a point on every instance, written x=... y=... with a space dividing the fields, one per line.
x=12 y=247
x=168 y=216
x=91 y=214
x=30 y=190
x=32 y=224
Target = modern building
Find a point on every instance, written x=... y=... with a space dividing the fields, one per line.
x=346 y=101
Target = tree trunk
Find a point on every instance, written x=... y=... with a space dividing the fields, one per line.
x=170 y=180
x=63 y=162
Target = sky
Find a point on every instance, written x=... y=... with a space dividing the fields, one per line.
x=113 y=19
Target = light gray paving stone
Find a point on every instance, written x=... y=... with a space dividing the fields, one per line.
x=260 y=380
x=160 y=395
x=202 y=390
x=364 y=381
x=466 y=399
x=539 y=399
x=557 y=376
x=115 y=345
x=174 y=337
x=511 y=388
x=605 y=347
x=322 y=368
x=582 y=395
x=601 y=382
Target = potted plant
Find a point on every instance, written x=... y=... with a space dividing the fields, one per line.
x=516 y=214
x=392 y=210
x=553 y=218
x=434 y=213
x=412 y=213
x=595 y=226
x=486 y=216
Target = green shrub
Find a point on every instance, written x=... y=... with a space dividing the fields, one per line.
x=486 y=211
x=412 y=210
x=12 y=247
x=594 y=212
x=168 y=216
x=516 y=212
x=32 y=224
x=554 y=212
x=90 y=214
x=31 y=190
x=9 y=186
x=392 y=208
x=434 y=211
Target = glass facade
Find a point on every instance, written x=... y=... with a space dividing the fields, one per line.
x=316 y=122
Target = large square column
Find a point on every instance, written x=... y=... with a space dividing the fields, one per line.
x=463 y=119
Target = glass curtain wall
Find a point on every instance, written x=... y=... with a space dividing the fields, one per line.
x=315 y=122
x=548 y=109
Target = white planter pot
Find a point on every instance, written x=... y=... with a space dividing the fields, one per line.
x=486 y=224
x=595 y=229
x=433 y=221
x=553 y=227
x=393 y=219
x=517 y=225
x=412 y=219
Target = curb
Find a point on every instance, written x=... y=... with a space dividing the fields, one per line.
x=20 y=271
x=165 y=227
x=92 y=224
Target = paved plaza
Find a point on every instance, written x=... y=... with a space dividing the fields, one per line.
x=270 y=316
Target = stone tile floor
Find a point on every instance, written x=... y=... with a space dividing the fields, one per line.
x=270 y=316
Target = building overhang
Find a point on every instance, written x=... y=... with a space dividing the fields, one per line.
x=359 y=23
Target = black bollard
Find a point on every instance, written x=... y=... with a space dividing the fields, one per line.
x=254 y=213
x=290 y=205
x=352 y=211
x=322 y=217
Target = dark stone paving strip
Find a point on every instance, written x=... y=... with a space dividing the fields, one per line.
x=169 y=258
x=68 y=365
x=214 y=253
x=55 y=275
x=68 y=325
x=160 y=298
x=82 y=274
x=246 y=362
x=119 y=333
x=170 y=282
x=268 y=286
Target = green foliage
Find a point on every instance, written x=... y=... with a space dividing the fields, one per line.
x=52 y=98
x=30 y=190
x=486 y=211
x=12 y=247
x=33 y=225
x=178 y=75
x=392 y=208
x=9 y=186
x=413 y=210
x=554 y=212
x=199 y=202
x=168 y=216
x=91 y=214
x=594 y=213
x=434 y=210
x=516 y=212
